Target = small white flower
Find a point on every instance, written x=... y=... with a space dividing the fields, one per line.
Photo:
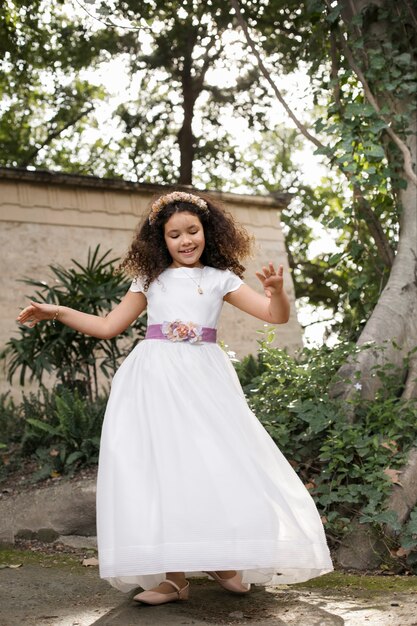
x=358 y=386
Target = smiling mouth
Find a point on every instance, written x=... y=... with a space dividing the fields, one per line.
x=187 y=251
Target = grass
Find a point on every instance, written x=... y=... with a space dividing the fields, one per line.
x=337 y=581
x=12 y=556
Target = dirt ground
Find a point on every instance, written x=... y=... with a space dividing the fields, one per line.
x=47 y=585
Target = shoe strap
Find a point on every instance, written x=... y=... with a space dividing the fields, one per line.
x=171 y=582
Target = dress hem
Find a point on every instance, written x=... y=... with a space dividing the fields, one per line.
x=265 y=577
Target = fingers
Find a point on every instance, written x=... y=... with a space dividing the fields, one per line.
x=28 y=314
x=22 y=315
x=271 y=279
x=270 y=271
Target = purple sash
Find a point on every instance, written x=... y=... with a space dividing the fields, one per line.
x=178 y=331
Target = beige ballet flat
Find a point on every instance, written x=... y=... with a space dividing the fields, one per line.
x=156 y=597
x=233 y=584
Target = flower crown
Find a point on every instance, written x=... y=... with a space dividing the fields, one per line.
x=176 y=196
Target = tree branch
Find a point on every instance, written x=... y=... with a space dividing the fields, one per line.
x=412 y=12
x=111 y=23
x=374 y=225
x=334 y=71
x=408 y=163
x=327 y=319
x=27 y=161
x=410 y=387
x=266 y=74
x=207 y=61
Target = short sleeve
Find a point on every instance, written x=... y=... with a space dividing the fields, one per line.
x=137 y=285
x=230 y=282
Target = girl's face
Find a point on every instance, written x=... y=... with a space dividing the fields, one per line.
x=184 y=237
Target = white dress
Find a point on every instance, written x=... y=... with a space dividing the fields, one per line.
x=189 y=480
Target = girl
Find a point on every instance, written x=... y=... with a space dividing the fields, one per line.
x=189 y=480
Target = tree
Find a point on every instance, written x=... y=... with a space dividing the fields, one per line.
x=184 y=42
x=365 y=67
x=370 y=128
x=172 y=122
x=45 y=99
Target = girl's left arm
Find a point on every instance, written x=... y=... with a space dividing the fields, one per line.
x=273 y=307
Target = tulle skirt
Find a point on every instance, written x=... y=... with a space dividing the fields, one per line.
x=189 y=480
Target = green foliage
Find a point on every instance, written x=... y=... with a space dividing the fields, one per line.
x=46 y=103
x=371 y=75
x=172 y=113
x=290 y=396
x=248 y=371
x=408 y=539
x=75 y=359
x=177 y=110
x=58 y=429
x=11 y=423
x=174 y=119
x=348 y=467
x=62 y=429
x=269 y=163
x=362 y=62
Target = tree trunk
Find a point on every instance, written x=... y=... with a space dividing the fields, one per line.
x=186 y=139
x=393 y=323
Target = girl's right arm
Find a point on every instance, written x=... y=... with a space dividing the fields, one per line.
x=114 y=323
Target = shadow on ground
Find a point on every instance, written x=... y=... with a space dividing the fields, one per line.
x=58 y=591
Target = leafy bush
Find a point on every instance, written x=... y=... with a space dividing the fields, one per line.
x=66 y=434
x=248 y=371
x=408 y=539
x=75 y=359
x=347 y=467
x=59 y=430
x=11 y=423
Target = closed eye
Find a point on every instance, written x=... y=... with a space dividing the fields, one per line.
x=175 y=235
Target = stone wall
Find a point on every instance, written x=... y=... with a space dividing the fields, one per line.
x=49 y=218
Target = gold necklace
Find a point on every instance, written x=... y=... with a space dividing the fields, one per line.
x=198 y=283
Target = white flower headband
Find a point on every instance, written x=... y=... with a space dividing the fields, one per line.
x=176 y=196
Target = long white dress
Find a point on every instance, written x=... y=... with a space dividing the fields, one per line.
x=189 y=480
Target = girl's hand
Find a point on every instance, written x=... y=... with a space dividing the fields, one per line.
x=36 y=312
x=272 y=281
x=274 y=307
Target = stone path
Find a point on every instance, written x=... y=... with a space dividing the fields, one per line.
x=67 y=594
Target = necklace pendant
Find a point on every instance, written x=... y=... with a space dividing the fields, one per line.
x=200 y=291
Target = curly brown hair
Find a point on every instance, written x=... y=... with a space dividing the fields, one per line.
x=227 y=242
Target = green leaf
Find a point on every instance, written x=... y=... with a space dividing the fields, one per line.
x=335 y=258
x=374 y=150
x=359 y=110
x=73 y=457
x=51 y=430
x=333 y=15
x=403 y=59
